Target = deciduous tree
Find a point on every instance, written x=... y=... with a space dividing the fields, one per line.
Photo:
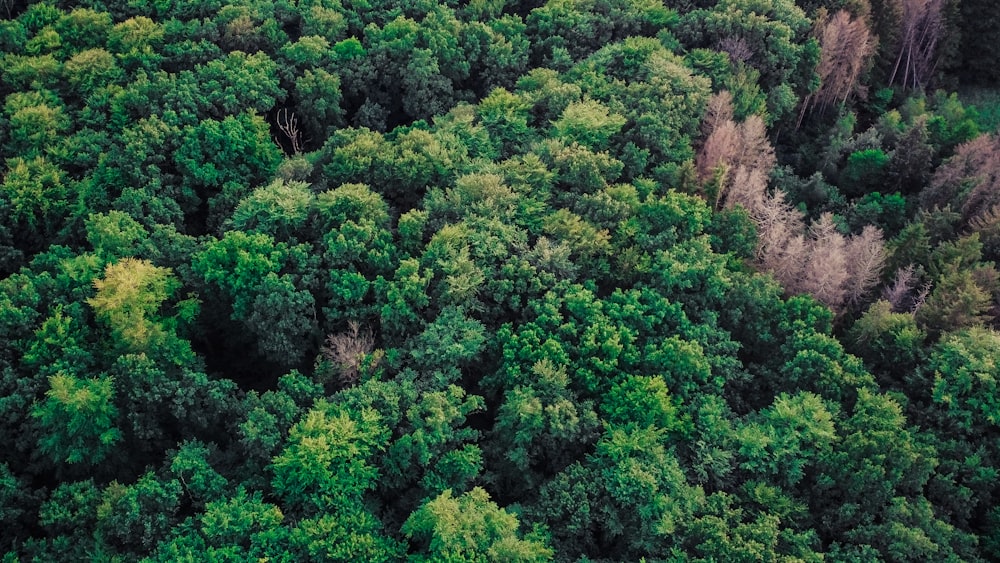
x=471 y=528
x=78 y=419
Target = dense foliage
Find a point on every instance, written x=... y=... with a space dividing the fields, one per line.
x=572 y=280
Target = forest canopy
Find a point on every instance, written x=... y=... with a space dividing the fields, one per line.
x=559 y=280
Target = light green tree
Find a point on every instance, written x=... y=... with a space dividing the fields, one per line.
x=471 y=528
x=128 y=299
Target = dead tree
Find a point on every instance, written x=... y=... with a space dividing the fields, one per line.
x=737 y=48
x=288 y=123
x=898 y=293
x=350 y=352
x=820 y=261
x=846 y=48
x=866 y=256
x=969 y=181
x=922 y=25
x=729 y=146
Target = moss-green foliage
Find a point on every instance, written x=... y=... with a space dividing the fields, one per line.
x=343 y=280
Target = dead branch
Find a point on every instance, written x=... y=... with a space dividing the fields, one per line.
x=288 y=123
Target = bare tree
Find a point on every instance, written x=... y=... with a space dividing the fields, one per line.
x=748 y=187
x=718 y=110
x=755 y=149
x=719 y=149
x=921 y=297
x=785 y=256
x=984 y=196
x=350 y=351
x=921 y=25
x=737 y=48
x=898 y=292
x=781 y=243
x=288 y=123
x=987 y=222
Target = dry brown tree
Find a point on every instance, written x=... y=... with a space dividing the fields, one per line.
x=736 y=47
x=987 y=224
x=732 y=151
x=866 y=256
x=825 y=271
x=846 y=49
x=350 y=351
x=969 y=181
x=835 y=269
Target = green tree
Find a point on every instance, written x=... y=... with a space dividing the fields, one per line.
x=588 y=123
x=37 y=197
x=447 y=345
x=78 y=419
x=35 y=122
x=957 y=301
x=864 y=171
x=630 y=500
x=879 y=470
x=135 y=518
x=772 y=36
x=279 y=209
x=437 y=449
x=114 y=234
x=71 y=511
x=238 y=83
x=730 y=530
x=60 y=344
x=318 y=102
x=505 y=117
x=891 y=344
x=541 y=428
x=161 y=403
x=136 y=42
x=12 y=495
x=350 y=535
x=642 y=402
x=220 y=160
x=965 y=377
x=191 y=465
x=231 y=529
x=83 y=28
x=89 y=70
x=568 y=31
x=787 y=438
x=358 y=249
x=260 y=283
x=282 y=317
x=264 y=421
x=326 y=462
x=662 y=100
